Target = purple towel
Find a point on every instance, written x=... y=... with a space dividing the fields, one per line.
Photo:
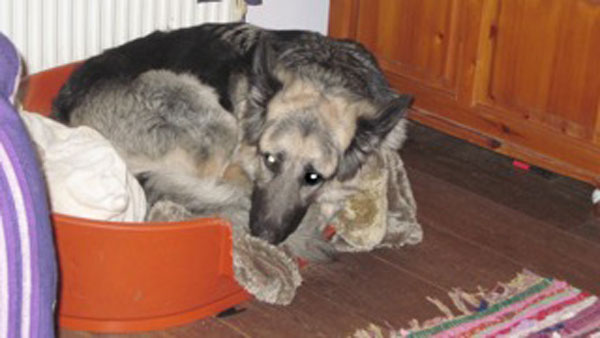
x=28 y=271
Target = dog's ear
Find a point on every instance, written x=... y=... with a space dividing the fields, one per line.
x=263 y=86
x=370 y=133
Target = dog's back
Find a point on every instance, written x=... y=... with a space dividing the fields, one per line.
x=211 y=52
x=216 y=52
x=196 y=50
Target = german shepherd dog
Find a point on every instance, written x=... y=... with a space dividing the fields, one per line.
x=295 y=112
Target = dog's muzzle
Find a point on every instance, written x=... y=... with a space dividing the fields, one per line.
x=273 y=216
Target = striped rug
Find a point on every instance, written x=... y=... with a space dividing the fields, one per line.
x=527 y=306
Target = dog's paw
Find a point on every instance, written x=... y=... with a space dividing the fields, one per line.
x=264 y=270
x=311 y=241
x=167 y=211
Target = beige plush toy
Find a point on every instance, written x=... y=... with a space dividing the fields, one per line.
x=382 y=211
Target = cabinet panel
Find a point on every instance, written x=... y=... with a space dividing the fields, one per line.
x=415 y=38
x=543 y=63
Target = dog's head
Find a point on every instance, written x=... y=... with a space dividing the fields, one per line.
x=307 y=133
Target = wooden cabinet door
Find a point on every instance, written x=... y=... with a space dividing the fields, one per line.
x=414 y=38
x=540 y=65
x=519 y=76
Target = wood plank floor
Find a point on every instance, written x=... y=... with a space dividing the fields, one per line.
x=484 y=221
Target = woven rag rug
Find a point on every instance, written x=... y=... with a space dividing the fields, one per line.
x=527 y=306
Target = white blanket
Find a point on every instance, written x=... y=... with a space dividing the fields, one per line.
x=86 y=176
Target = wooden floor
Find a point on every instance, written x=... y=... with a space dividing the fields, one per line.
x=483 y=221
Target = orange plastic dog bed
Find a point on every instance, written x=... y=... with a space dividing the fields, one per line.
x=124 y=277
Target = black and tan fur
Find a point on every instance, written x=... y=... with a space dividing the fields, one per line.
x=296 y=112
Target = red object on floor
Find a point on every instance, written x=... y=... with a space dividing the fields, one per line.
x=329 y=232
x=521 y=165
x=125 y=277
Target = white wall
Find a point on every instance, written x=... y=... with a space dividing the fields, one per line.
x=291 y=14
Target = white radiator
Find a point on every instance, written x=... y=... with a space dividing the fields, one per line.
x=54 y=32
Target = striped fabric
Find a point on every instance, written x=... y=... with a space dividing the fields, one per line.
x=27 y=259
x=528 y=306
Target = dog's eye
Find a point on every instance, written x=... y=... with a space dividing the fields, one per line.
x=271 y=161
x=312 y=178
